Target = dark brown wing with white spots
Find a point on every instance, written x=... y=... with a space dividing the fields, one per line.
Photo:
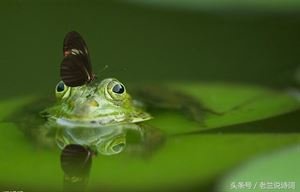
x=76 y=69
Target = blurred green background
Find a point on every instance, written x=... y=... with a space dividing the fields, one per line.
x=249 y=41
x=240 y=42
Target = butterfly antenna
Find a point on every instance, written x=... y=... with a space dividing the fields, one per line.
x=104 y=68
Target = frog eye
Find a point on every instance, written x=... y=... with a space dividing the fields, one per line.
x=60 y=87
x=116 y=90
x=62 y=91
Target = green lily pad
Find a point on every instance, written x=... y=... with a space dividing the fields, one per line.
x=234 y=104
x=274 y=171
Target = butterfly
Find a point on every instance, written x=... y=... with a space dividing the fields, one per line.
x=76 y=68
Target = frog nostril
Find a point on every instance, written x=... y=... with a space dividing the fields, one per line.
x=94 y=103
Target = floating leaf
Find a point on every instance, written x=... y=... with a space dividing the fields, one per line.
x=273 y=171
x=234 y=104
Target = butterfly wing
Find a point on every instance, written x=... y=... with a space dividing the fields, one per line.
x=76 y=69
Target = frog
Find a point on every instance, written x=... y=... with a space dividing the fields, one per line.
x=93 y=113
x=96 y=115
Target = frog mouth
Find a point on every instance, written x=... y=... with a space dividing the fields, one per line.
x=107 y=121
x=102 y=121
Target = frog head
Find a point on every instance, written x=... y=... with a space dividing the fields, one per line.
x=98 y=103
